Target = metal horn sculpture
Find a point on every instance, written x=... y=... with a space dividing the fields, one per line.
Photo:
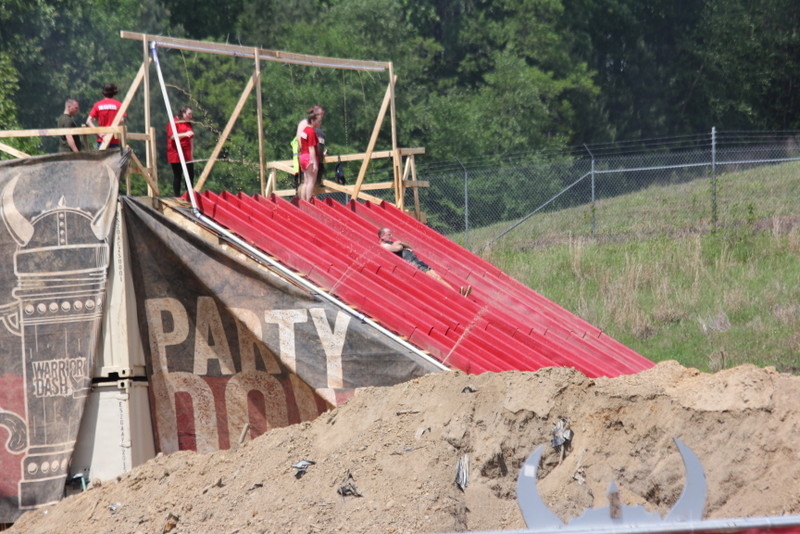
x=689 y=506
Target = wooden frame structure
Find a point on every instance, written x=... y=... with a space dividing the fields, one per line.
x=403 y=164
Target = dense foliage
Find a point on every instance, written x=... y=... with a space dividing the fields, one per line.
x=476 y=77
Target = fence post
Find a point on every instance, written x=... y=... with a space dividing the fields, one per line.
x=713 y=178
x=466 y=206
x=593 y=197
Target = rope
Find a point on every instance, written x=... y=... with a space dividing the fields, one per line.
x=344 y=106
x=174 y=128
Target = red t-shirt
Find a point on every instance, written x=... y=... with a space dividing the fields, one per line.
x=308 y=139
x=104 y=112
x=186 y=142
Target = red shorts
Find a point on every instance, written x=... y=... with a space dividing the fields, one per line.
x=305 y=161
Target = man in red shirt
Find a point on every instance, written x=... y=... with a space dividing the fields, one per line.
x=104 y=111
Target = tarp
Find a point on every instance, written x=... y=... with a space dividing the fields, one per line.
x=233 y=350
x=57 y=214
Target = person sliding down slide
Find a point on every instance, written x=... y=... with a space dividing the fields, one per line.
x=404 y=251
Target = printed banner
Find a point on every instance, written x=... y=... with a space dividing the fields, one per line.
x=57 y=214
x=234 y=350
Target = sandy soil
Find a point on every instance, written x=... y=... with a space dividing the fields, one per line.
x=393 y=452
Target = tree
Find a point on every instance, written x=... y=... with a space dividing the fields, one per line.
x=644 y=56
x=748 y=76
x=8 y=108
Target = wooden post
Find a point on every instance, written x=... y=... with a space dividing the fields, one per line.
x=260 y=122
x=149 y=155
x=372 y=140
x=13 y=151
x=417 y=212
x=402 y=184
x=396 y=159
x=146 y=174
x=270 y=187
x=151 y=143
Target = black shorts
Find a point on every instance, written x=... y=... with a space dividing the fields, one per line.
x=412 y=258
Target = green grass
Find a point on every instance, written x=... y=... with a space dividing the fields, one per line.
x=658 y=279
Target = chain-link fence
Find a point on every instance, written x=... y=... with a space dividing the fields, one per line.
x=616 y=191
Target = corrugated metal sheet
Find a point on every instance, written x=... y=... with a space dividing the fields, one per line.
x=503 y=325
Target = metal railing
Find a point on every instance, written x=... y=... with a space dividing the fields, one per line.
x=691 y=183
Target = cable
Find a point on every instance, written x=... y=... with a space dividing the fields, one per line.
x=189 y=187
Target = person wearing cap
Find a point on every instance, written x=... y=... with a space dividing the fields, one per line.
x=104 y=111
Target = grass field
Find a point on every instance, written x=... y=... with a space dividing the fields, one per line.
x=657 y=278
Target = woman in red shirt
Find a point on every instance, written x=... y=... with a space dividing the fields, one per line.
x=185 y=134
x=309 y=157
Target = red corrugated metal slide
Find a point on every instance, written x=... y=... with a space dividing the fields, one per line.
x=502 y=325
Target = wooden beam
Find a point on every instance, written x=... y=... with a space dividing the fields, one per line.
x=333 y=187
x=373 y=139
x=376 y=186
x=138 y=137
x=154 y=166
x=13 y=151
x=417 y=183
x=400 y=182
x=225 y=133
x=348 y=189
x=260 y=125
x=286 y=164
x=273 y=174
x=392 y=114
x=397 y=160
x=58 y=131
x=263 y=54
x=411 y=151
x=149 y=157
x=417 y=211
x=145 y=172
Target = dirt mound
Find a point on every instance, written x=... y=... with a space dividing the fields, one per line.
x=393 y=453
